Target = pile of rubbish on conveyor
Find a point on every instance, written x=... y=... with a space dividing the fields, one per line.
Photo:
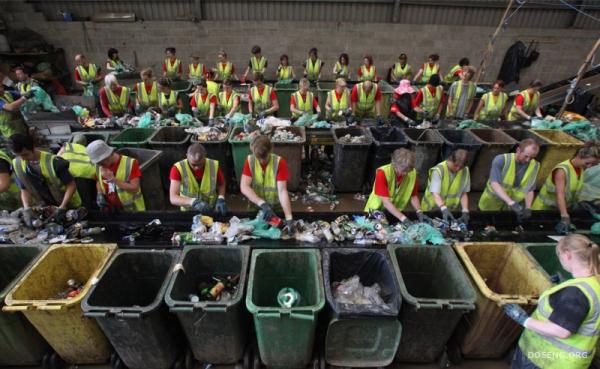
x=45 y=229
x=370 y=229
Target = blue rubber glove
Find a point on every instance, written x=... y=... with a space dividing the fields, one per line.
x=379 y=121
x=201 y=206
x=447 y=215
x=267 y=210
x=101 y=201
x=221 y=207
x=261 y=115
x=424 y=218
x=564 y=226
x=516 y=313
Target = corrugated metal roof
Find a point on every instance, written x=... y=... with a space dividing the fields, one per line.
x=535 y=13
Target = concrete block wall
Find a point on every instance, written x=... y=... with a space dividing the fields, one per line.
x=142 y=44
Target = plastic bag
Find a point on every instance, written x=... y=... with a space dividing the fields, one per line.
x=146 y=120
x=546 y=124
x=184 y=119
x=591 y=185
x=40 y=101
x=238 y=119
x=595 y=228
x=306 y=120
x=469 y=123
x=351 y=291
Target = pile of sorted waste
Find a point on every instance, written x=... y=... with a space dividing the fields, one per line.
x=469 y=123
x=204 y=134
x=45 y=229
x=216 y=288
x=352 y=292
x=312 y=121
x=349 y=139
x=246 y=136
x=317 y=182
x=72 y=289
x=285 y=135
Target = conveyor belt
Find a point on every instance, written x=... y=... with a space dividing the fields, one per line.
x=556 y=92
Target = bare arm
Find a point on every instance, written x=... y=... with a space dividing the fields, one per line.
x=175 y=196
x=547 y=328
x=236 y=103
x=416 y=204
x=529 y=199
x=284 y=199
x=69 y=191
x=478 y=110
x=464 y=202
x=560 y=183
x=133 y=186
x=538 y=111
x=293 y=73
x=499 y=190
x=273 y=108
x=295 y=110
x=26 y=198
x=246 y=190
x=221 y=189
x=5 y=181
x=522 y=113
x=211 y=111
x=378 y=108
x=438 y=199
x=15 y=105
x=419 y=74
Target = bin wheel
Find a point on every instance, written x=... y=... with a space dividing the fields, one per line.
x=119 y=364
x=56 y=362
x=247 y=359
x=189 y=361
x=46 y=361
x=322 y=362
x=453 y=353
x=256 y=363
x=443 y=361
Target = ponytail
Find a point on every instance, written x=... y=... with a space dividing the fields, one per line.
x=583 y=249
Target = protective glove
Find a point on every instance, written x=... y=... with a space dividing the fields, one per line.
x=201 y=206
x=410 y=122
x=526 y=214
x=289 y=226
x=464 y=218
x=195 y=112
x=406 y=222
x=518 y=209
x=101 y=201
x=268 y=212
x=516 y=313
x=424 y=218
x=436 y=118
x=221 y=207
x=172 y=111
x=379 y=121
x=211 y=122
x=59 y=215
x=29 y=95
x=350 y=119
x=448 y=217
x=261 y=115
x=28 y=217
x=564 y=226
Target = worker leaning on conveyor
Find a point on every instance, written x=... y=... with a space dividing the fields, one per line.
x=117 y=179
x=395 y=185
x=81 y=167
x=43 y=178
x=562 y=187
x=9 y=191
x=10 y=103
x=115 y=99
x=512 y=181
x=146 y=92
x=563 y=331
x=264 y=181
x=366 y=101
x=527 y=103
x=449 y=186
x=87 y=75
x=262 y=98
x=198 y=183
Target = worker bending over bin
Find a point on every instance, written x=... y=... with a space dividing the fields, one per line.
x=168 y=99
x=10 y=103
x=115 y=99
x=430 y=100
x=303 y=102
x=562 y=333
x=337 y=104
x=264 y=181
x=396 y=184
x=81 y=168
x=449 y=186
x=87 y=75
x=527 y=103
x=512 y=181
x=366 y=101
x=562 y=187
x=229 y=100
x=146 y=92
x=262 y=99
x=10 y=195
x=43 y=178
x=203 y=103
x=492 y=105
x=117 y=179
x=197 y=183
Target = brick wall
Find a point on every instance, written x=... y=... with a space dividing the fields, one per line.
x=142 y=44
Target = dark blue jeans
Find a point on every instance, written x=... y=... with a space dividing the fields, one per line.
x=520 y=361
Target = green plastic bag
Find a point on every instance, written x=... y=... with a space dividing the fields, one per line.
x=469 y=123
x=146 y=120
x=306 y=120
x=40 y=101
x=595 y=228
x=184 y=119
x=591 y=185
x=238 y=119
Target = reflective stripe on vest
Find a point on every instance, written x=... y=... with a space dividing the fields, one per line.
x=261 y=102
x=224 y=72
x=89 y=74
x=227 y=103
x=143 y=98
x=492 y=109
x=450 y=77
x=264 y=182
x=13 y=189
x=305 y=105
x=165 y=103
x=5 y=115
x=117 y=105
x=458 y=93
x=130 y=201
x=400 y=72
x=546 y=199
x=116 y=64
x=399 y=195
x=367 y=75
x=80 y=165
x=25 y=87
x=172 y=69
x=450 y=192
x=341 y=70
x=56 y=187
x=529 y=105
x=189 y=187
x=196 y=72
x=203 y=105
x=576 y=351
x=489 y=201
x=366 y=102
x=431 y=103
x=313 y=69
x=337 y=105
x=429 y=71
x=284 y=72
x=258 y=66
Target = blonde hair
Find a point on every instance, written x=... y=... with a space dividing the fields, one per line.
x=261 y=147
x=109 y=80
x=147 y=72
x=304 y=82
x=584 y=250
x=340 y=82
x=591 y=149
x=403 y=160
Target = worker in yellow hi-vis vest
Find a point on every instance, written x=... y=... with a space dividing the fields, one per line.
x=395 y=186
x=564 y=329
x=527 y=103
x=146 y=92
x=428 y=69
x=262 y=98
x=257 y=64
x=172 y=67
x=88 y=76
x=563 y=186
x=115 y=99
x=313 y=66
x=492 y=105
x=303 y=102
x=198 y=183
